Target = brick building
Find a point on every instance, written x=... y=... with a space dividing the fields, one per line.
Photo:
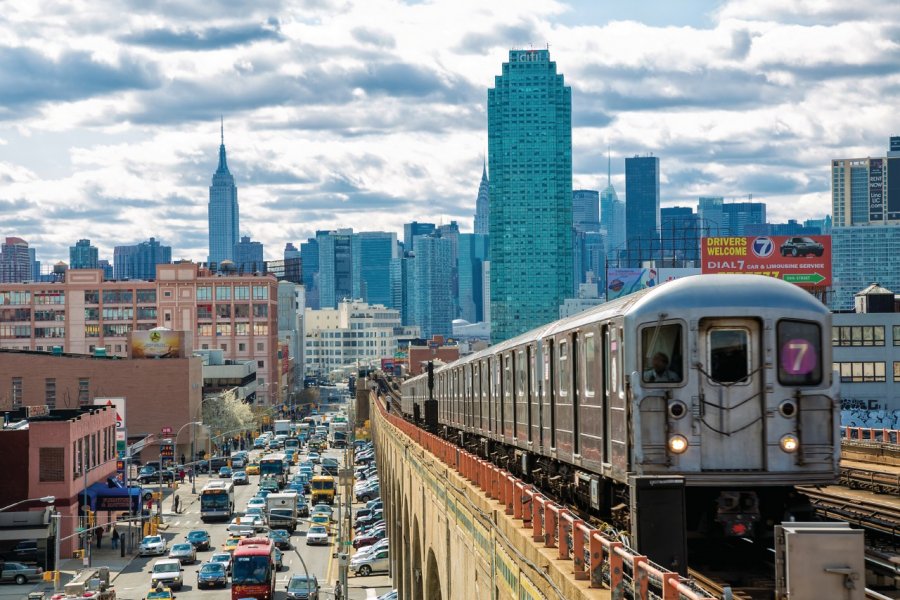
x=235 y=313
x=158 y=393
x=434 y=349
x=59 y=453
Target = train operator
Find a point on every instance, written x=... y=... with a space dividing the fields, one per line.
x=660 y=372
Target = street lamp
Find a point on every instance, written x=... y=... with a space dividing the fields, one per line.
x=44 y=499
x=175 y=444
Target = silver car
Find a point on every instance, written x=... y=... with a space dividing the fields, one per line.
x=21 y=574
x=153 y=545
x=167 y=571
x=366 y=565
x=184 y=553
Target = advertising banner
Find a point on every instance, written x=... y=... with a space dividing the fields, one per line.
x=623 y=281
x=156 y=344
x=876 y=189
x=119 y=404
x=802 y=260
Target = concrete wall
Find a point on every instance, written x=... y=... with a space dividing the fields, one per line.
x=449 y=541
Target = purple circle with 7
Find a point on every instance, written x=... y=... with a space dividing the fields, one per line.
x=799 y=357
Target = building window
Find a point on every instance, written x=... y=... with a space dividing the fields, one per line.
x=864 y=335
x=260 y=329
x=16 y=392
x=897 y=335
x=260 y=346
x=261 y=310
x=204 y=293
x=241 y=311
x=224 y=347
x=223 y=329
x=50 y=392
x=204 y=329
x=241 y=292
x=204 y=311
x=242 y=347
x=223 y=311
x=862 y=372
x=53 y=464
x=223 y=292
x=260 y=364
x=84 y=391
x=167 y=293
x=896 y=371
x=242 y=329
x=260 y=292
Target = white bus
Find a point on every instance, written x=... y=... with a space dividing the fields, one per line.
x=217 y=500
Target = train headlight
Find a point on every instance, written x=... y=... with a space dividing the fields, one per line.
x=678 y=444
x=789 y=443
x=677 y=409
x=788 y=408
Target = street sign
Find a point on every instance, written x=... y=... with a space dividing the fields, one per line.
x=166 y=431
x=811 y=278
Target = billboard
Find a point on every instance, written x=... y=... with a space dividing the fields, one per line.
x=119 y=404
x=623 y=281
x=156 y=343
x=893 y=189
x=876 y=189
x=803 y=259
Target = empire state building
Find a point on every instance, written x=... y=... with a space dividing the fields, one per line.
x=224 y=219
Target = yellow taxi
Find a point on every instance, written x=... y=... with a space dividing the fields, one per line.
x=321 y=519
x=252 y=469
x=230 y=544
x=160 y=592
x=296 y=458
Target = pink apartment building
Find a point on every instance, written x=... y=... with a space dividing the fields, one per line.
x=235 y=313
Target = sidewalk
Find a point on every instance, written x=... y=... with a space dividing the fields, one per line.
x=106 y=556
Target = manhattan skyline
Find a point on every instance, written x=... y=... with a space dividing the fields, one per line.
x=109 y=124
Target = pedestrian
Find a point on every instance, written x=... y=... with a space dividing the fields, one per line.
x=98 y=533
x=182 y=458
x=115 y=538
x=191 y=474
x=338 y=592
x=181 y=475
x=176 y=502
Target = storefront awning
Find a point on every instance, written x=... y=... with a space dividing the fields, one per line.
x=102 y=497
x=24 y=533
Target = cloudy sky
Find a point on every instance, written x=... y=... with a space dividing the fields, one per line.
x=371 y=113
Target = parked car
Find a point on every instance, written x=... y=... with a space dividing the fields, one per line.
x=184 y=553
x=167 y=571
x=240 y=478
x=199 y=538
x=19 y=573
x=224 y=558
x=380 y=544
x=301 y=587
x=373 y=517
x=366 y=565
x=167 y=476
x=317 y=534
x=153 y=545
x=368 y=539
x=212 y=574
x=391 y=595
x=801 y=246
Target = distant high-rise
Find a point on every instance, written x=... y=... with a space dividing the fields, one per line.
x=108 y=273
x=413 y=230
x=612 y=215
x=589 y=258
x=483 y=204
x=139 y=261
x=309 y=259
x=433 y=300
x=335 y=267
x=718 y=217
x=680 y=233
x=224 y=218
x=83 y=256
x=248 y=256
x=372 y=253
x=867 y=190
x=15 y=261
x=586 y=210
x=530 y=155
x=471 y=254
x=293 y=266
x=641 y=209
x=711 y=214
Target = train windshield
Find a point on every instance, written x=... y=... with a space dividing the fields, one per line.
x=661 y=346
x=799 y=353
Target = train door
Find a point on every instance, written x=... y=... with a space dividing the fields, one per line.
x=548 y=406
x=731 y=388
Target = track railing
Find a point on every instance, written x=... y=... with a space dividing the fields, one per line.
x=871 y=434
x=595 y=556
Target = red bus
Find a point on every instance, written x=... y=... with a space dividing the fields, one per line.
x=253 y=570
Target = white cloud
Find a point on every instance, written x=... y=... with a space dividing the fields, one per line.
x=371 y=113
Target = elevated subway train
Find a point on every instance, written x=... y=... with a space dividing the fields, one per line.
x=723 y=379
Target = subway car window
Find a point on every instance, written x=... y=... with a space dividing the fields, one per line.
x=563 y=360
x=662 y=351
x=799 y=353
x=729 y=355
x=590 y=364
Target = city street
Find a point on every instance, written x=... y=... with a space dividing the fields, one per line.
x=133 y=581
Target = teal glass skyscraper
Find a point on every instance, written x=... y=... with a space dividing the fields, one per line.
x=224 y=219
x=530 y=161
